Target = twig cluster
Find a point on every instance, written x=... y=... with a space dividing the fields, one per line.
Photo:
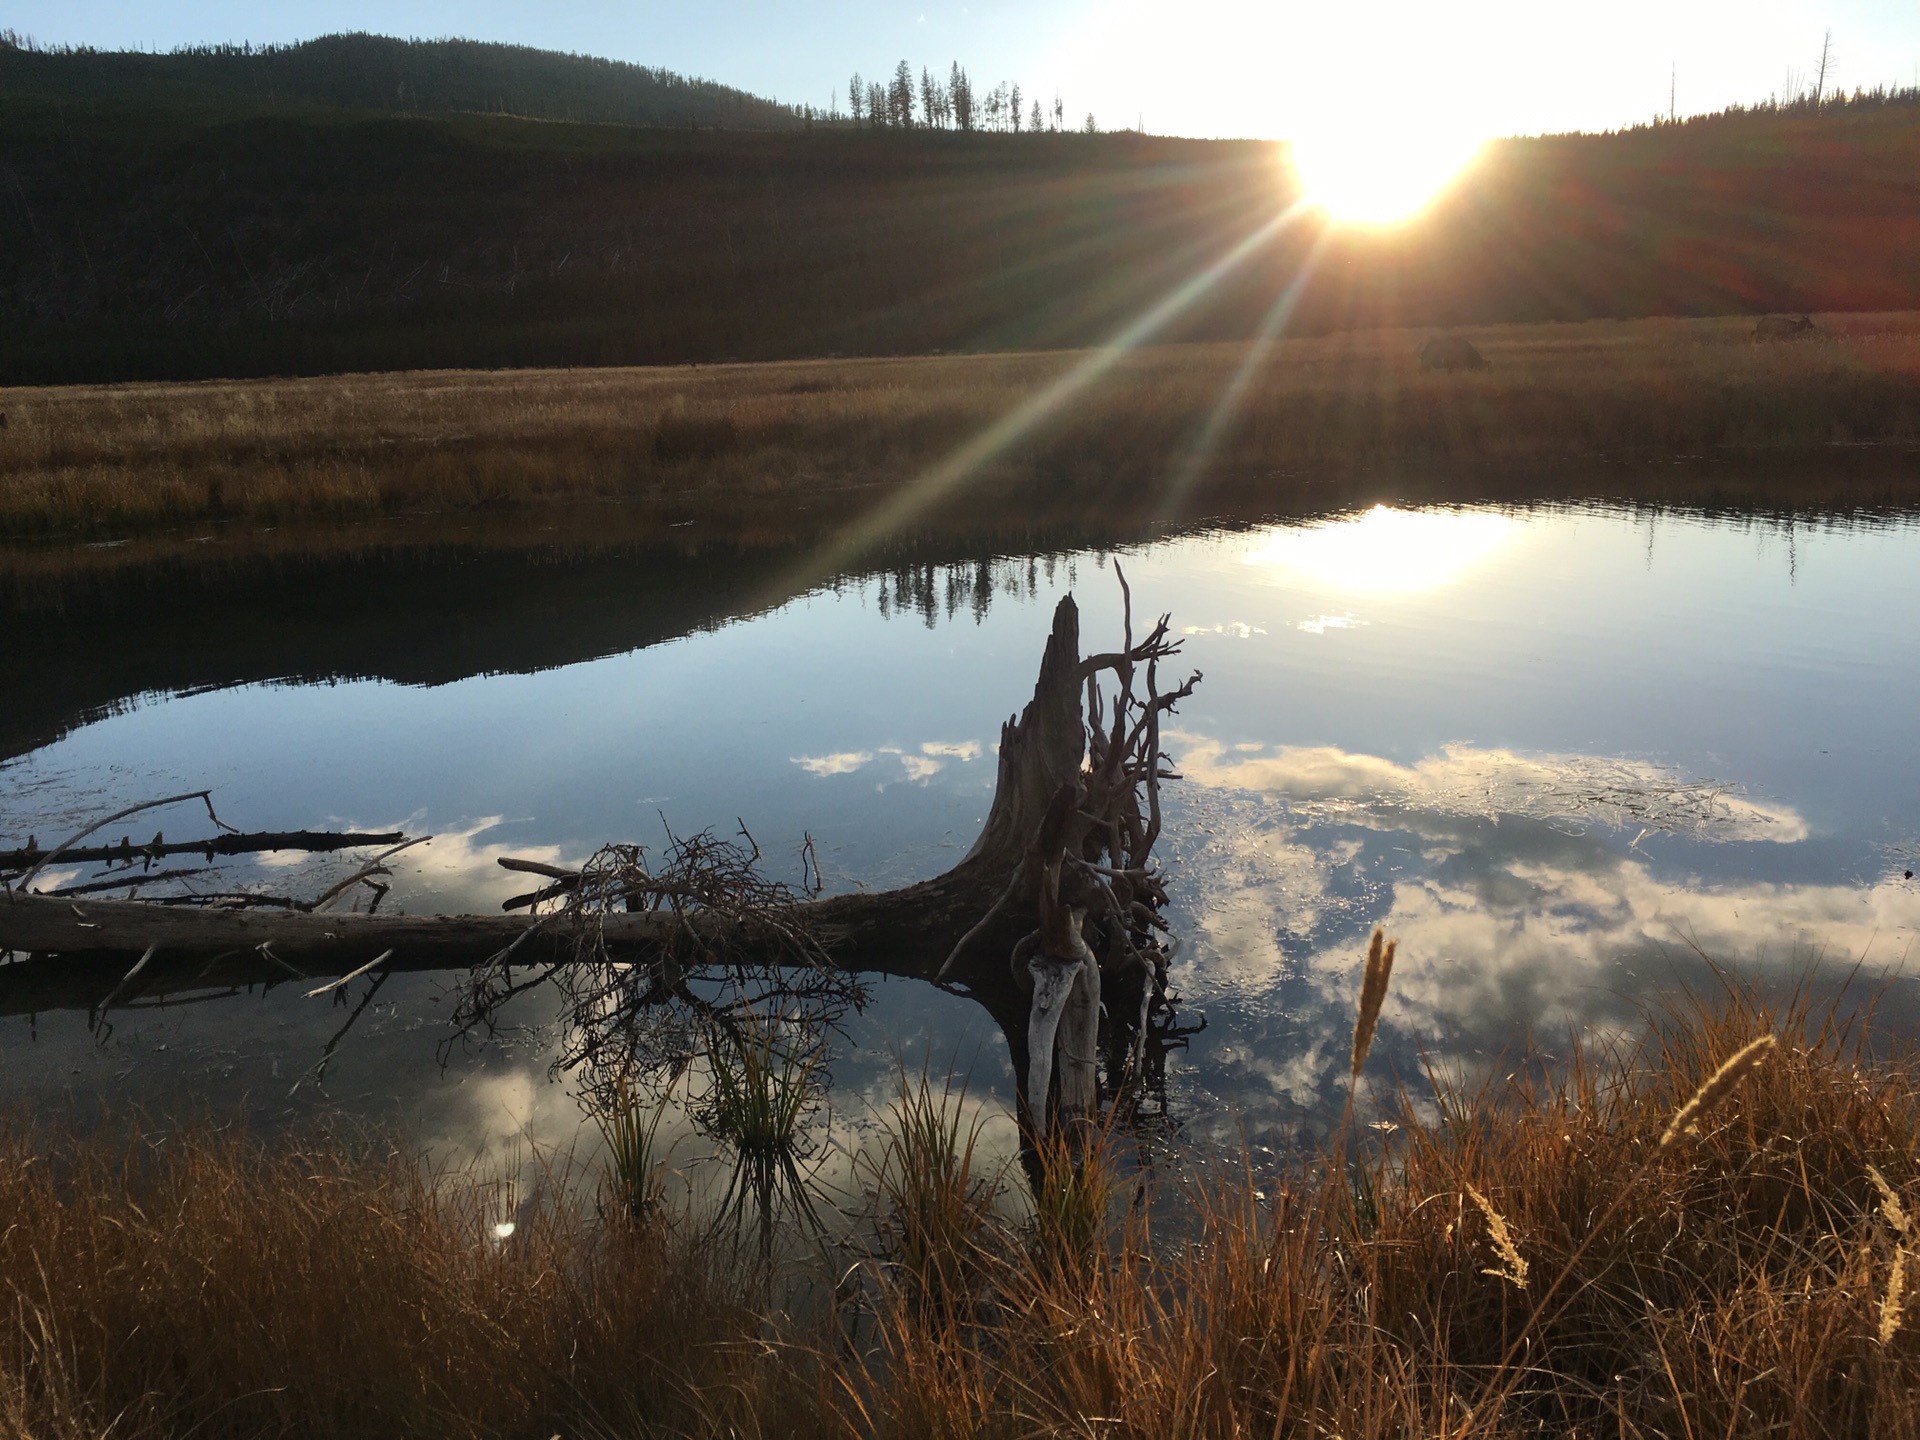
x=632 y=1016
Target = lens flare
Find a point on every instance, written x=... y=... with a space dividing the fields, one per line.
x=1375 y=176
x=959 y=466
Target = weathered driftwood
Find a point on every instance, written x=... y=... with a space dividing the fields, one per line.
x=1063 y=853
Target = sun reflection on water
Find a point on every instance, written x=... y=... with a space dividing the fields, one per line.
x=1384 y=551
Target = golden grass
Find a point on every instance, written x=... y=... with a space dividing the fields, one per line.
x=727 y=439
x=1525 y=1259
x=195 y=1282
x=1737 y=1285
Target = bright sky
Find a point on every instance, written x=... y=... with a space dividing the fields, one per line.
x=1199 y=67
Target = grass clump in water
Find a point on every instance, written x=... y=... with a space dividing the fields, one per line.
x=764 y=1075
x=634 y=1173
x=931 y=1197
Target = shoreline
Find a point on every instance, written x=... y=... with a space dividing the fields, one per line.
x=1824 y=485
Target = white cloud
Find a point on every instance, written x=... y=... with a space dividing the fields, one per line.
x=921 y=767
x=962 y=750
x=1320 y=624
x=1519 y=909
x=460 y=875
x=929 y=760
x=842 y=762
x=1237 y=629
x=1464 y=780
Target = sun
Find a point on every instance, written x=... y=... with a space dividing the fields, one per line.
x=1379 y=176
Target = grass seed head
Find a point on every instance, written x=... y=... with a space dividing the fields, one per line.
x=1373 y=993
x=1513 y=1265
x=1890 y=1206
x=1894 y=1302
x=1715 y=1090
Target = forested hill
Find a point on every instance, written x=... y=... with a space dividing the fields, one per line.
x=377 y=73
x=170 y=229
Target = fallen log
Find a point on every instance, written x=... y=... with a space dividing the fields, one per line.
x=904 y=932
x=1055 y=900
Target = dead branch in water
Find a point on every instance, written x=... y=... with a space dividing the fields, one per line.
x=204 y=796
x=126 y=853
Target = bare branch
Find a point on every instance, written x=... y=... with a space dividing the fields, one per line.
x=204 y=796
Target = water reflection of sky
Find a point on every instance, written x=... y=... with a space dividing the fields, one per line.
x=1554 y=751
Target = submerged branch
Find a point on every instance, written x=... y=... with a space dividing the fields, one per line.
x=234 y=843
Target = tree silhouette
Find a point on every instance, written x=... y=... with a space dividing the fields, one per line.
x=900 y=96
x=961 y=89
x=1015 y=99
x=857 y=97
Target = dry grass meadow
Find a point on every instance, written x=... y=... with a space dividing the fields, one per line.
x=1541 y=1256
x=1559 y=405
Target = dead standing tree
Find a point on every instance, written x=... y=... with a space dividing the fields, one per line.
x=1052 y=919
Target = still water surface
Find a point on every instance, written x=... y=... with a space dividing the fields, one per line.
x=1562 y=753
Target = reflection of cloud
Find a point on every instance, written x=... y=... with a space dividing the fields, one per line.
x=1511 y=921
x=934 y=755
x=1320 y=624
x=962 y=750
x=48 y=881
x=922 y=764
x=1462 y=780
x=1384 y=551
x=843 y=762
x=282 y=859
x=451 y=867
x=1238 y=629
x=1475 y=973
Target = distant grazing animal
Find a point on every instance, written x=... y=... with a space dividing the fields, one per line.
x=1782 y=327
x=1450 y=352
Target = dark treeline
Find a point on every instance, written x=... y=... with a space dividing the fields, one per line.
x=377 y=73
x=1807 y=104
x=185 y=229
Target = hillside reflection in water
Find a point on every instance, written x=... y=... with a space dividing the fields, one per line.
x=1559 y=753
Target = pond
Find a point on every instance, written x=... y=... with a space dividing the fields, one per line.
x=1574 y=757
